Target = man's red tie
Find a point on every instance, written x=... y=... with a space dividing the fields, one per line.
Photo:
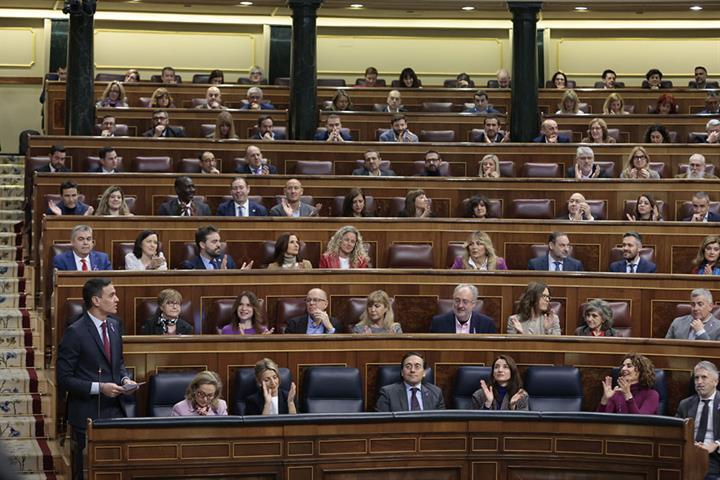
x=106 y=340
x=84 y=264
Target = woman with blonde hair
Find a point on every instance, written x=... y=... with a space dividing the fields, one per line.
x=570 y=104
x=341 y=102
x=224 y=127
x=271 y=398
x=598 y=132
x=202 y=397
x=637 y=165
x=161 y=98
x=489 y=167
x=132 y=76
x=614 y=105
x=113 y=96
x=479 y=254
x=345 y=250
x=112 y=203
x=378 y=316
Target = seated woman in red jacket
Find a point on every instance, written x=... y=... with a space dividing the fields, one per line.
x=345 y=250
x=634 y=392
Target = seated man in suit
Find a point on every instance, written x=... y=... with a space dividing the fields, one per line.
x=585 y=166
x=372 y=166
x=549 y=133
x=558 y=258
x=712 y=128
x=316 y=321
x=503 y=78
x=482 y=104
x=701 y=324
x=394 y=103
x=399 y=131
x=240 y=205
x=491 y=131
x=255 y=100
x=291 y=205
x=696 y=169
x=185 y=205
x=701 y=209
x=333 y=131
x=698 y=407
x=712 y=104
x=433 y=161
x=82 y=257
x=255 y=163
x=265 y=131
x=57 y=161
x=213 y=100
x=463 y=318
x=69 y=203
x=167 y=76
x=108 y=161
x=210 y=254
x=410 y=394
x=208 y=163
x=701 y=79
x=90 y=366
x=161 y=126
x=632 y=262
x=108 y=126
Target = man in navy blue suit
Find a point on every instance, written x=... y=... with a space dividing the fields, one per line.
x=240 y=205
x=210 y=253
x=69 y=203
x=558 y=258
x=108 y=161
x=333 y=131
x=632 y=263
x=549 y=133
x=82 y=257
x=463 y=319
x=90 y=366
x=255 y=164
x=701 y=209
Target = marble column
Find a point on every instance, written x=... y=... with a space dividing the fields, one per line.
x=80 y=97
x=524 y=115
x=303 y=114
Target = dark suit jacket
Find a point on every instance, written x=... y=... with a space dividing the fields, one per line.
x=387 y=109
x=255 y=403
x=196 y=263
x=393 y=398
x=171 y=208
x=571 y=172
x=479 y=323
x=642 y=267
x=300 y=324
x=708 y=84
x=366 y=172
x=561 y=139
x=151 y=327
x=169 y=132
x=541 y=263
x=46 y=169
x=276 y=136
x=66 y=261
x=246 y=169
x=81 y=361
x=498 y=138
x=263 y=106
x=688 y=409
x=80 y=209
x=227 y=209
x=323 y=136
x=712 y=217
x=99 y=169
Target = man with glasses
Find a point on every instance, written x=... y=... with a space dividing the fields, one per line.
x=701 y=209
x=316 y=321
x=410 y=394
x=463 y=318
x=161 y=126
x=696 y=169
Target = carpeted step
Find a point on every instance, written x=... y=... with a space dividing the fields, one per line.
x=10 y=254
x=31 y=455
x=23 y=380
x=12 y=269
x=12 y=300
x=8 y=226
x=12 y=191
x=24 y=404
x=12 y=169
x=11 y=179
x=11 y=286
x=22 y=426
x=16 y=338
x=11 y=203
x=16 y=215
x=15 y=318
x=20 y=357
x=10 y=239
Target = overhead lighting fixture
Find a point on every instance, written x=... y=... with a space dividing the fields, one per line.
x=244 y=4
x=357 y=5
x=696 y=8
x=468 y=8
x=581 y=9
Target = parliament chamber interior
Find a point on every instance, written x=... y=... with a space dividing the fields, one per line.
x=468 y=239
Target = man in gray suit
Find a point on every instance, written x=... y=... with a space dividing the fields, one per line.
x=701 y=324
x=698 y=407
x=291 y=205
x=410 y=394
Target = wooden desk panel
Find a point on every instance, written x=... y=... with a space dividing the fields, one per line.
x=425 y=446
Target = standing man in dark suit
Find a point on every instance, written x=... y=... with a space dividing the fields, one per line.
x=185 y=205
x=317 y=321
x=57 y=161
x=210 y=253
x=82 y=257
x=705 y=409
x=558 y=258
x=410 y=394
x=701 y=209
x=463 y=318
x=90 y=366
x=632 y=262
x=549 y=133
x=161 y=126
x=240 y=205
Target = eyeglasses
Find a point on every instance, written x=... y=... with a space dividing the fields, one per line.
x=639 y=157
x=315 y=300
x=204 y=395
x=546 y=296
x=462 y=301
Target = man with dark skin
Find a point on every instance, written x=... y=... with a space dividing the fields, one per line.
x=185 y=205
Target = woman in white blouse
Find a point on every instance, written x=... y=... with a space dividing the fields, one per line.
x=146 y=254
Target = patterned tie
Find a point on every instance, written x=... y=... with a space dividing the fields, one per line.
x=702 y=426
x=414 y=402
x=631 y=267
x=558 y=266
x=106 y=340
x=84 y=264
x=242 y=210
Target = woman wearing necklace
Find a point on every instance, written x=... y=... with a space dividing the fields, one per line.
x=202 y=397
x=167 y=320
x=247 y=317
x=534 y=316
x=479 y=255
x=287 y=254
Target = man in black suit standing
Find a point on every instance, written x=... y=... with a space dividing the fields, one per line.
x=57 y=161
x=410 y=394
x=703 y=407
x=558 y=258
x=185 y=205
x=90 y=366
x=701 y=209
x=463 y=318
x=316 y=321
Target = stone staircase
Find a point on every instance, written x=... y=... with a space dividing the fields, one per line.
x=27 y=428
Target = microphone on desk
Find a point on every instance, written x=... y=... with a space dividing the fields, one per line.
x=99 y=391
